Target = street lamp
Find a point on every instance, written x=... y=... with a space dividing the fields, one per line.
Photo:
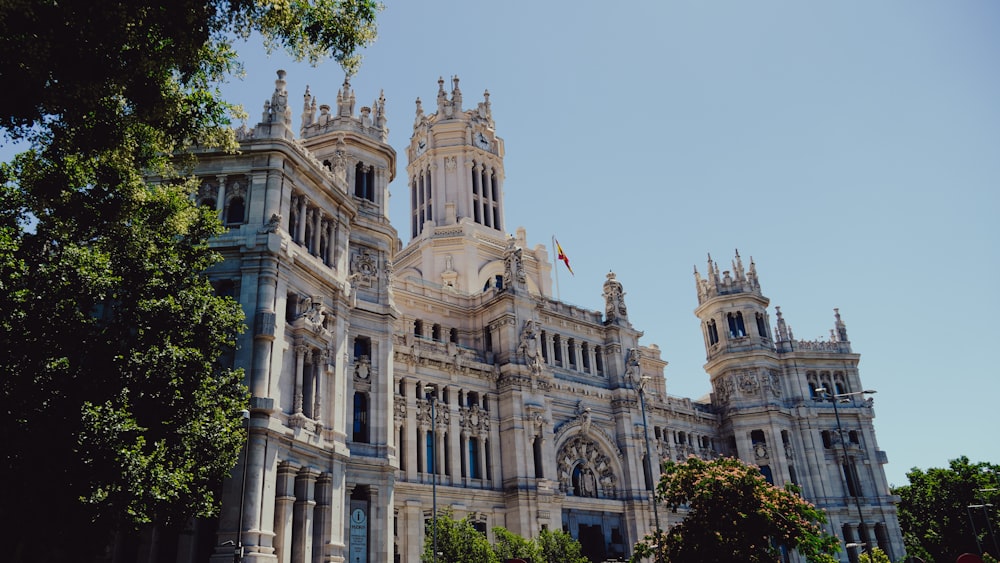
x=434 y=499
x=238 y=550
x=649 y=451
x=834 y=398
x=986 y=514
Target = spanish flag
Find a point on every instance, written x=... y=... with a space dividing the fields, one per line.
x=562 y=256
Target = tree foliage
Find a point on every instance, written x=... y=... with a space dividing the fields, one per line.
x=457 y=542
x=117 y=408
x=508 y=545
x=559 y=547
x=934 y=515
x=876 y=555
x=733 y=514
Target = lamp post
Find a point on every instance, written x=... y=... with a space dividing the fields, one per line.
x=824 y=395
x=649 y=452
x=433 y=464
x=238 y=549
x=986 y=515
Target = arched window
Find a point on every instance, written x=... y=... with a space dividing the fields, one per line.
x=418 y=328
x=453 y=336
x=436 y=332
x=362 y=347
x=599 y=360
x=761 y=326
x=360 y=417
x=475 y=472
x=364 y=181
x=812 y=390
x=536 y=450
x=736 y=327
x=235 y=211
x=757 y=437
x=827 y=439
x=577 y=481
x=713 y=332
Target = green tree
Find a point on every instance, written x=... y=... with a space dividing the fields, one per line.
x=117 y=409
x=457 y=542
x=733 y=514
x=934 y=515
x=559 y=547
x=508 y=545
x=876 y=555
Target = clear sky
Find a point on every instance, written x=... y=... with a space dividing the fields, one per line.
x=852 y=148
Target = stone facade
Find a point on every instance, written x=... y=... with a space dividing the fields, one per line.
x=388 y=380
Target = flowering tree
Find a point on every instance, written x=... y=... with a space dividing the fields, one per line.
x=733 y=514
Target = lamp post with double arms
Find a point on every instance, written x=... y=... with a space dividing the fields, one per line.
x=823 y=394
x=433 y=465
x=238 y=549
x=649 y=455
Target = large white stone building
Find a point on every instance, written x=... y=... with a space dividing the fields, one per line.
x=355 y=340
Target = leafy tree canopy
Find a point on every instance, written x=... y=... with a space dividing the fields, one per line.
x=733 y=514
x=117 y=408
x=934 y=510
x=458 y=541
x=560 y=547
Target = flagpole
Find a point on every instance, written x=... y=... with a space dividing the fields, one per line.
x=556 y=268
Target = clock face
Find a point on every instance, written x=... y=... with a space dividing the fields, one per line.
x=421 y=145
x=482 y=142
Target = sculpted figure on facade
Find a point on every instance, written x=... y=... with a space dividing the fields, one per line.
x=614 y=299
x=513 y=265
x=633 y=372
x=529 y=345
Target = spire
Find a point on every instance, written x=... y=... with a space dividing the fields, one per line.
x=308 y=109
x=783 y=333
x=738 y=267
x=279 y=110
x=442 y=98
x=456 y=93
x=840 y=327
x=345 y=99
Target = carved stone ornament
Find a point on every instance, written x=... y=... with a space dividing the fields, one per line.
x=748 y=383
x=584 y=470
x=362 y=368
x=364 y=267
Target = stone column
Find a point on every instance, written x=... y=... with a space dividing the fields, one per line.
x=300 y=358
x=324 y=490
x=283 y=516
x=220 y=202
x=302 y=522
x=300 y=235
x=317 y=226
x=264 y=326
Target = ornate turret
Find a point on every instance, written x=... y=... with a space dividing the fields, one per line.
x=735 y=281
x=614 y=301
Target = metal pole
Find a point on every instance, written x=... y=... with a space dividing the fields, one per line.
x=238 y=550
x=975 y=534
x=434 y=476
x=649 y=461
x=833 y=398
x=989 y=526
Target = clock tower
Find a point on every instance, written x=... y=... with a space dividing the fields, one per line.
x=455 y=171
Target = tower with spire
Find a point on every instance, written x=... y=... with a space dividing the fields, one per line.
x=776 y=397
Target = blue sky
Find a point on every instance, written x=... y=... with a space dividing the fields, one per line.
x=851 y=148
